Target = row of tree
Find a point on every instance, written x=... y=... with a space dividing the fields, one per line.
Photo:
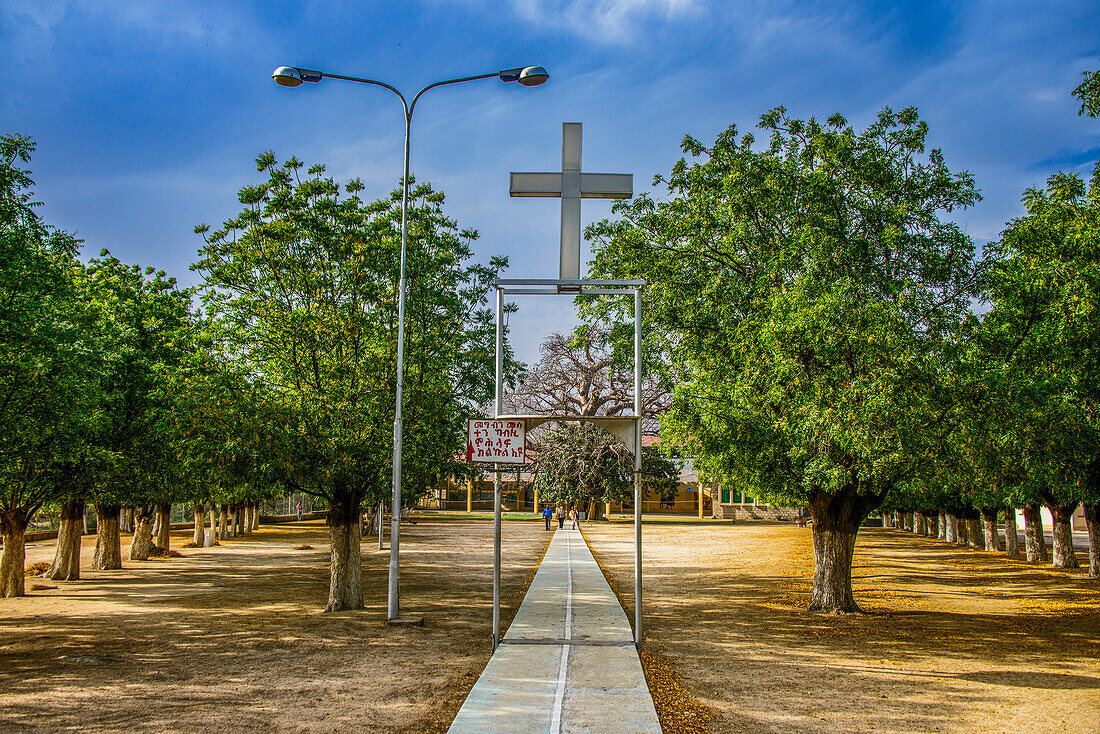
x=118 y=389
x=818 y=311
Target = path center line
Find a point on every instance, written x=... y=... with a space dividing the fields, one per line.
x=568 y=587
x=559 y=694
x=563 y=668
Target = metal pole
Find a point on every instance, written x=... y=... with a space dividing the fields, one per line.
x=394 y=605
x=381 y=521
x=638 y=468
x=496 y=558
x=498 y=402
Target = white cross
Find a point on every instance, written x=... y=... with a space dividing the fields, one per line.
x=572 y=186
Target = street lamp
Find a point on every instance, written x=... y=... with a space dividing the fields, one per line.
x=291 y=76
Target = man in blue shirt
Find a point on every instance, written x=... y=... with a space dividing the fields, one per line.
x=548 y=514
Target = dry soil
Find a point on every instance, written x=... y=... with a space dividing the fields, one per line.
x=232 y=638
x=953 y=640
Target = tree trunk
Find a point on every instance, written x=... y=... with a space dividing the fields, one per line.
x=952 y=534
x=898 y=524
x=223 y=522
x=199 y=538
x=989 y=529
x=1062 y=515
x=941 y=530
x=974 y=530
x=234 y=509
x=108 y=541
x=13 y=526
x=1012 y=533
x=931 y=521
x=920 y=526
x=345 y=589
x=143 y=534
x=1092 y=519
x=164 y=516
x=126 y=520
x=213 y=521
x=66 y=558
x=1035 y=545
x=156 y=524
x=255 y=515
x=836 y=519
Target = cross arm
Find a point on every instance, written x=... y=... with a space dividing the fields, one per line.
x=607 y=185
x=593 y=185
x=534 y=184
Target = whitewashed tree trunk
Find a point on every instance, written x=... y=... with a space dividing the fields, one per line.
x=256 y=516
x=1012 y=533
x=989 y=529
x=1092 y=520
x=1062 y=517
x=142 y=543
x=1035 y=545
x=66 y=559
x=952 y=535
x=164 y=525
x=941 y=530
x=960 y=530
x=13 y=527
x=223 y=522
x=345 y=558
x=199 y=537
x=974 y=530
x=108 y=539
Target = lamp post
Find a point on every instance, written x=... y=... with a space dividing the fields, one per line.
x=290 y=76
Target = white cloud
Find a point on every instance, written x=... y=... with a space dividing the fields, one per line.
x=609 y=21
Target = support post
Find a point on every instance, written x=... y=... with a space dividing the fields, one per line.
x=381 y=524
x=470 y=494
x=498 y=405
x=496 y=558
x=638 y=468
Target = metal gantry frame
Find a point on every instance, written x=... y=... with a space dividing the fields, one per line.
x=573 y=287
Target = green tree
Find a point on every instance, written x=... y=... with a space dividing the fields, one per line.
x=1045 y=288
x=44 y=360
x=805 y=293
x=302 y=288
x=144 y=329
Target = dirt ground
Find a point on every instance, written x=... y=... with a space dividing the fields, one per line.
x=954 y=640
x=232 y=638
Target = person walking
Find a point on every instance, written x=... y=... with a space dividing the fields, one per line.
x=573 y=518
x=547 y=514
x=299 y=508
x=561 y=517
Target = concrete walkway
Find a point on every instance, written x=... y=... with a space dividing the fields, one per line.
x=567 y=662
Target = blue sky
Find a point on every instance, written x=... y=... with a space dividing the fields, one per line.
x=148 y=115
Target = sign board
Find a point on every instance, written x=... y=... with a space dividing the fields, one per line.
x=496 y=442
